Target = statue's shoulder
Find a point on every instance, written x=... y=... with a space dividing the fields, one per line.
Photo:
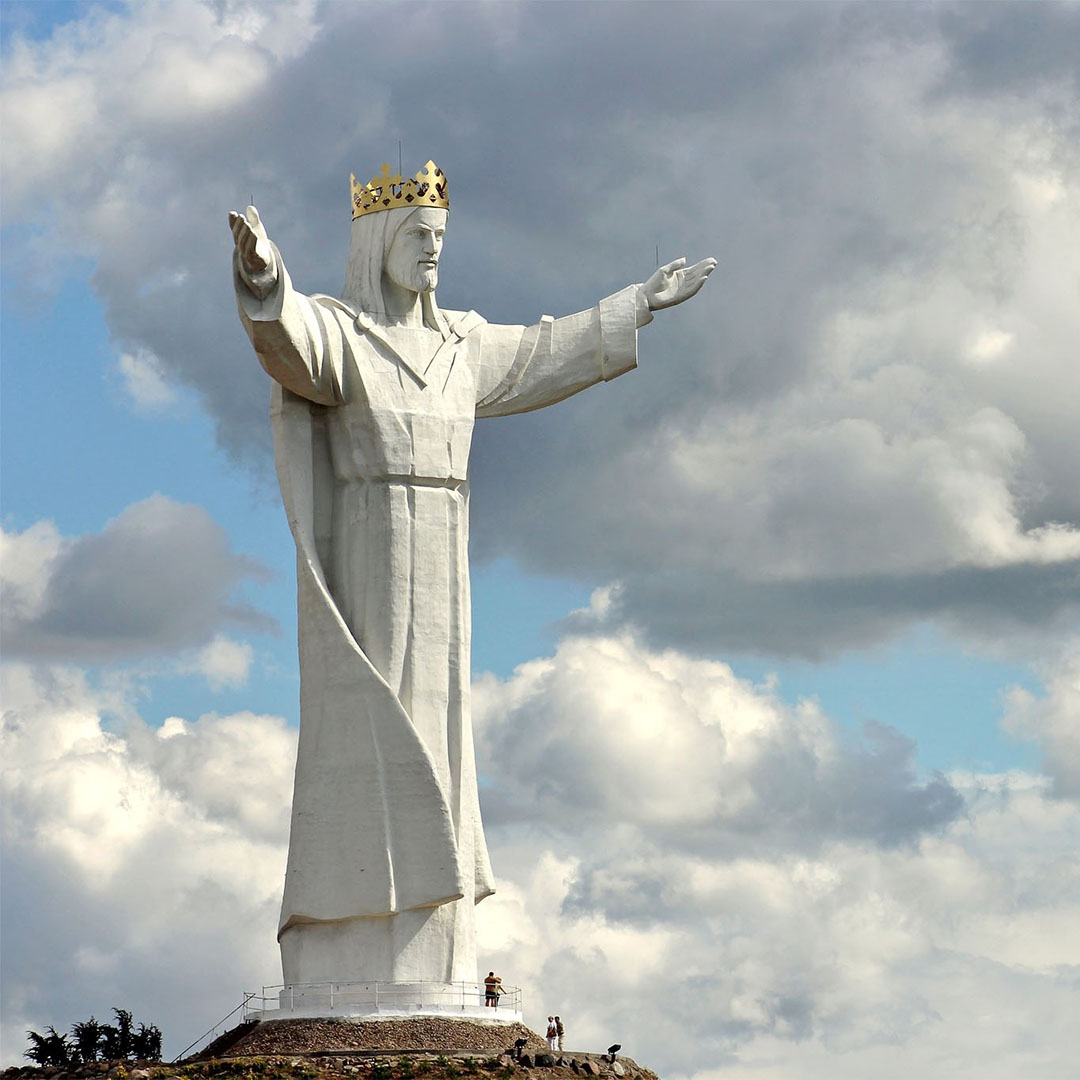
x=350 y=318
x=334 y=304
x=463 y=323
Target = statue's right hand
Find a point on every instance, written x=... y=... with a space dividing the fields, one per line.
x=252 y=243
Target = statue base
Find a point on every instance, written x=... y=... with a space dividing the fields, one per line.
x=438 y=1047
x=370 y=1035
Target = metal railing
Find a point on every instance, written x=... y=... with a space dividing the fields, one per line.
x=372 y=997
x=217 y=1029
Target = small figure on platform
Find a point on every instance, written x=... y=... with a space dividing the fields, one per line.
x=560 y=1030
x=492 y=990
x=552 y=1034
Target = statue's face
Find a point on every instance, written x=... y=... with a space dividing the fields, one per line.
x=413 y=260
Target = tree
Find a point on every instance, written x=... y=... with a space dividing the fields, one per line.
x=90 y=1041
x=87 y=1036
x=146 y=1043
x=116 y=1041
x=52 y=1048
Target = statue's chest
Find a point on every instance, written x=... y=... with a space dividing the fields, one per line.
x=414 y=371
x=416 y=349
x=410 y=404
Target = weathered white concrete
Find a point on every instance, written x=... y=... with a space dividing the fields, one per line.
x=373 y=405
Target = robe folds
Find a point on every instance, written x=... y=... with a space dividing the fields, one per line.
x=372 y=431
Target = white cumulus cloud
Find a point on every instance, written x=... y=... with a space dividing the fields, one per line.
x=144 y=866
x=864 y=419
x=1052 y=718
x=608 y=729
x=224 y=662
x=160 y=575
x=144 y=381
x=808 y=948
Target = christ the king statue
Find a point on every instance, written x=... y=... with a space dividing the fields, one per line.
x=373 y=403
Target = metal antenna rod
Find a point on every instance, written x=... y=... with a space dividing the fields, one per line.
x=657 y=254
x=399 y=155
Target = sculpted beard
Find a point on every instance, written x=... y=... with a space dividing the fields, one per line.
x=413 y=259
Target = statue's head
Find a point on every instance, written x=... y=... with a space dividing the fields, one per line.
x=412 y=261
x=402 y=246
x=397 y=234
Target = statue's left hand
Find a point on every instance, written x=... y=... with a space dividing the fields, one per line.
x=676 y=282
x=252 y=243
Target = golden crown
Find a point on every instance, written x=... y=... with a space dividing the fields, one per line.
x=390 y=192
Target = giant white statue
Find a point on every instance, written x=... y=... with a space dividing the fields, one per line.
x=374 y=399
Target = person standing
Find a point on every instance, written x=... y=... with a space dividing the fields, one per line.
x=552 y=1034
x=492 y=989
x=560 y=1031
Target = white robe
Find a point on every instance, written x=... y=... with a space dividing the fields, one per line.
x=386 y=852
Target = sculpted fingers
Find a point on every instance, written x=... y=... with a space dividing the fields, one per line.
x=252 y=243
x=238 y=225
x=247 y=222
x=697 y=273
x=243 y=235
x=245 y=241
x=256 y=223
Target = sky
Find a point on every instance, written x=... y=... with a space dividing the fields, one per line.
x=776 y=666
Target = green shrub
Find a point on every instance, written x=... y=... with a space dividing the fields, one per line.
x=90 y=1041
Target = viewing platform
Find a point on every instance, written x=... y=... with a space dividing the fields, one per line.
x=382 y=999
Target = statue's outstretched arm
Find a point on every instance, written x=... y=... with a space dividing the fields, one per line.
x=298 y=341
x=675 y=282
x=524 y=368
x=255 y=255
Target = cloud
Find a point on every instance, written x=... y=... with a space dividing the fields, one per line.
x=27 y=564
x=223 y=662
x=171 y=67
x=144 y=381
x=854 y=413
x=1052 y=718
x=142 y=868
x=844 y=464
x=151 y=861
x=801 y=896
x=800 y=937
x=857 y=962
x=703 y=761
x=159 y=576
